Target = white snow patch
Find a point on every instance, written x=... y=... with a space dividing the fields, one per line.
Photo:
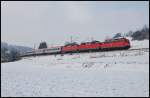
x=135 y=44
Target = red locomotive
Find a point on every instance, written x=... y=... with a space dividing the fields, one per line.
x=121 y=43
x=113 y=44
x=71 y=47
x=89 y=46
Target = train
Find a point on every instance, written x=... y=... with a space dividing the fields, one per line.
x=112 y=44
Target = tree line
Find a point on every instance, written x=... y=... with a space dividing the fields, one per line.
x=11 y=52
x=136 y=35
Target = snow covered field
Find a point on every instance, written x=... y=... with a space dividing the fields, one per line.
x=138 y=44
x=113 y=73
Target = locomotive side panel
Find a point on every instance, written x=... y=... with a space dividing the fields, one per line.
x=116 y=44
x=89 y=47
x=67 y=49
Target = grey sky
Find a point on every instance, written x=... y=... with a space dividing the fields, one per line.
x=29 y=22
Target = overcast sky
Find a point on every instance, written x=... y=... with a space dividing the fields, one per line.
x=30 y=22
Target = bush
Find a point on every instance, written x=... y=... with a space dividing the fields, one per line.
x=141 y=34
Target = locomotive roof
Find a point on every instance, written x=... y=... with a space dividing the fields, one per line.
x=119 y=38
x=115 y=39
x=71 y=44
x=94 y=41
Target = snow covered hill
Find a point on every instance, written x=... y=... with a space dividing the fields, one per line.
x=135 y=44
x=117 y=73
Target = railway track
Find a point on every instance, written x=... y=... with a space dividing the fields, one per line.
x=143 y=49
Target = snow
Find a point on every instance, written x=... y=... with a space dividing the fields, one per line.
x=135 y=44
x=141 y=44
x=100 y=74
